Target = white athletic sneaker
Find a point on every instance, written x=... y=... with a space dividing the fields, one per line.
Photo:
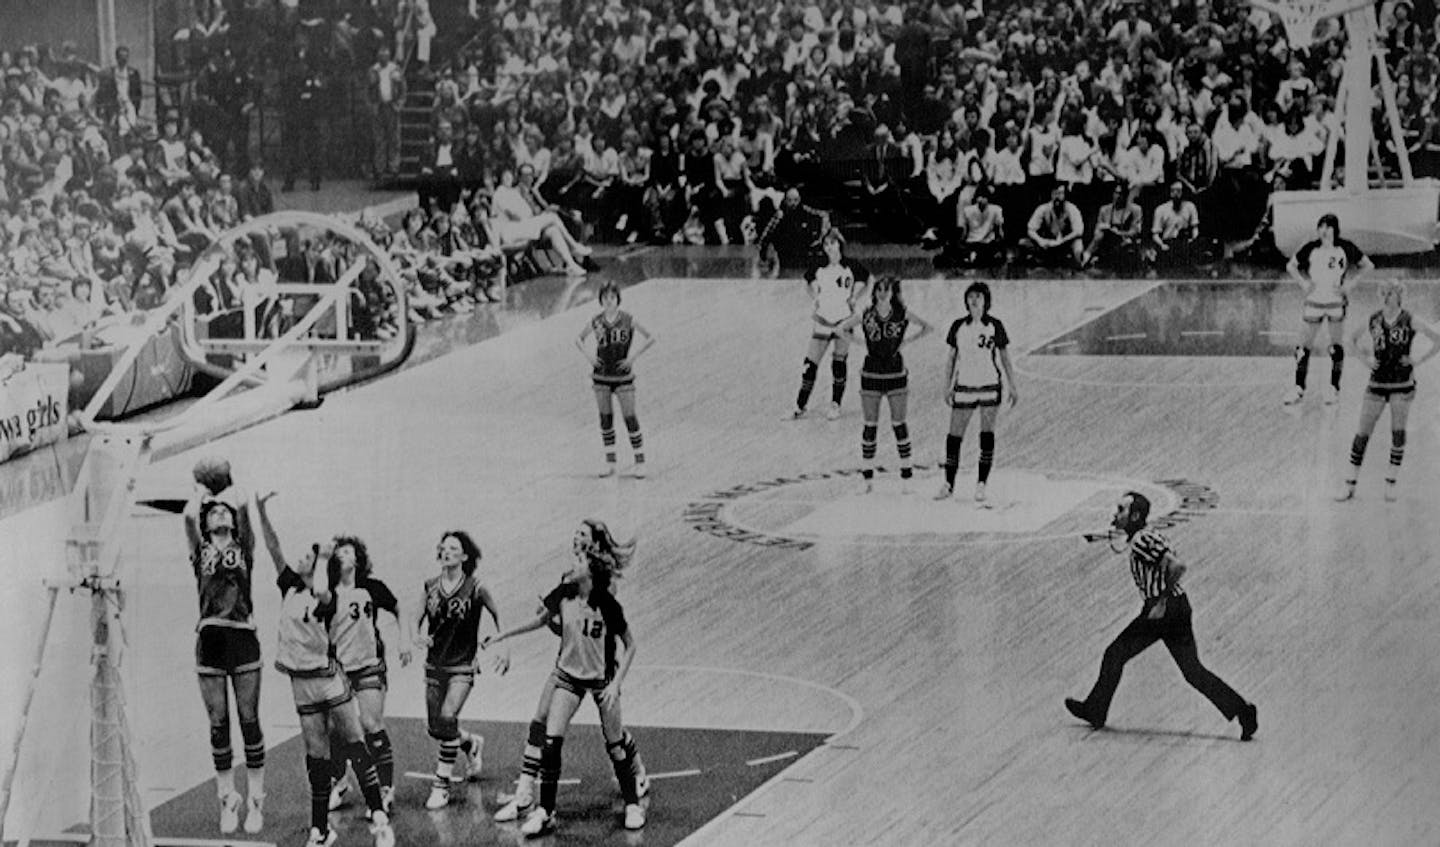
x=795 y=414
x=638 y=472
x=514 y=810
x=1297 y=396
x=1332 y=395
x=634 y=816
x=1392 y=492
x=439 y=797
x=230 y=812
x=833 y=413
x=538 y=822
x=380 y=828
x=609 y=470
x=944 y=492
x=1347 y=492
x=338 y=792
x=254 y=813
x=318 y=840
x=869 y=486
x=979 y=492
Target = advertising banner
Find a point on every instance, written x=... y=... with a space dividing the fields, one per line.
x=33 y=408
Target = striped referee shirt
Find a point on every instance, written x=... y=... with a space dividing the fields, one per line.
x=1148 y=550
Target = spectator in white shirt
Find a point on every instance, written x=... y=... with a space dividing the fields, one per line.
x=516 y=221
x=981 y=235
x=1146 y=170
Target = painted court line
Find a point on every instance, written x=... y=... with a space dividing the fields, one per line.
x=431 y=776
x=1128 y=336
x=1193 y=333
x=674 y=774
x=778 y=757
x=1089 y=316
x=158 y=841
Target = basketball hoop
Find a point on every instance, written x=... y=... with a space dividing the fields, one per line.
x=1300 y=20
x=1302 y=17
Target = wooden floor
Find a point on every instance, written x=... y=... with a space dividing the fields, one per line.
x=939 y=658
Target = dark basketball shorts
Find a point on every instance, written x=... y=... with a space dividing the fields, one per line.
x=882 y=384
x=226 y=651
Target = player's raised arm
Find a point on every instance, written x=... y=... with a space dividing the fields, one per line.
x=267 y=530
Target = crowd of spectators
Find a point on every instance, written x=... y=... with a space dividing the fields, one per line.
x=1062 y=132
x=102 y=209
x=951 y=120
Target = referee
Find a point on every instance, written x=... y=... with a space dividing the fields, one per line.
x=1164 y=617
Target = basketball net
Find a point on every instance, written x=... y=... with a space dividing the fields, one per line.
x=1301 y=18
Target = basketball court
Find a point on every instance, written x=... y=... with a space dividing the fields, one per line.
x=817 y=665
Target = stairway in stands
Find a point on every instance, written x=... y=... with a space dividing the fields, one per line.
x=415 y=126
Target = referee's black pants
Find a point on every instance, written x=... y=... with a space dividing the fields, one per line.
x=1172 y=625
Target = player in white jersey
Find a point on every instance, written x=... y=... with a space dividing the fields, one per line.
x=329 y=718
x=596 y=650
x=1324 y=267
x=978 y=352
x=360 y=650
x=836 y=286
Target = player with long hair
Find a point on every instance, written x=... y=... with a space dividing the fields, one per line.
x=978 y=352
x=836 y=286
x=522 y=802
x=883 y=376
x=449 y=630
x=355 y=635
x=1323 y=267
x=227 y=649
x=591 y=623
x=1391 y=330
x=612 y=375
x=324 y=701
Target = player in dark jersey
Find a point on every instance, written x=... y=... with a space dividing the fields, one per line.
x=1165 y=616
x=1391 y=332
x=596 y=649
x=1325 y=267
x=355 y=638
x=613 y=377
x=329 y=717
x=836 y=286
x=978 y=351
x=882 y=375
x=449 y=630
x=227 y=651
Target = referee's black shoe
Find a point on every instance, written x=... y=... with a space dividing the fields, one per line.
x=1249 y=721
x=1082 y=711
